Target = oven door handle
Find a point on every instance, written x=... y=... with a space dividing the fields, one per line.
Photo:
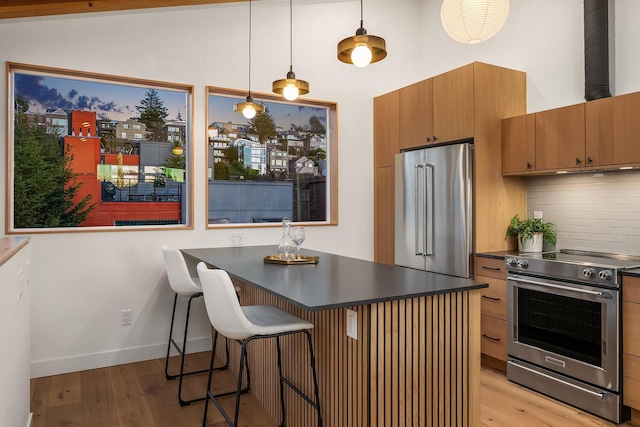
x=601 y=396
x=606 y=295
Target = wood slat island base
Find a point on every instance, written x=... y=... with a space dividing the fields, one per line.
x=416 y=362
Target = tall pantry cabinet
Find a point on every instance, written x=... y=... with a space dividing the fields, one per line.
x=467 y=102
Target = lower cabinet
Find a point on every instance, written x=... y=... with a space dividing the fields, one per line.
x=493 y=306
x=631 y=341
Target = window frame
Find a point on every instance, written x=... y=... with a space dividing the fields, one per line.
x=332 y=158
x=138 y=83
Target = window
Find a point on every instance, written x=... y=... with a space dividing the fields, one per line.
x=76 y=174
x=282 y=163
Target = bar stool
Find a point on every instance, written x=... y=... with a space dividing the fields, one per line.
x=246 y=324
x=184 y=285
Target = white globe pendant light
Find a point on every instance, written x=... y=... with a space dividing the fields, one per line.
x=473 y=21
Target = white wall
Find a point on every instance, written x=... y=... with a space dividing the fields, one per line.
x=15 y=336
x=81 y=281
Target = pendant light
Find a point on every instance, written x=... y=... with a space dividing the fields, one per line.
x=473 y=21
x=291 y=87
x=249 y=109
x=361 y=49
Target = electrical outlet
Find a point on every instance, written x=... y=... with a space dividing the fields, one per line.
x=537 y=214
x=125 y=317
x=352 y=324
x=236 y=238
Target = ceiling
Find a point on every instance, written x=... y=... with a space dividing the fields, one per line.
x=28 y=8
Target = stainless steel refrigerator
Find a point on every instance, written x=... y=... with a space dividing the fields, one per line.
x=434 y=209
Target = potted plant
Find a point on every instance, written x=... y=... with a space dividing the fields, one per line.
x=531 y=233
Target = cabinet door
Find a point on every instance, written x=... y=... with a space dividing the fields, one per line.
x=386 y=127
x=613 y=130
x=519 y=144
x=453 y=104
x=416 y=115
x=560 y=138
x=383 y=218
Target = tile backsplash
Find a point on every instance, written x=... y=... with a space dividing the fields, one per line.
x=595 y=211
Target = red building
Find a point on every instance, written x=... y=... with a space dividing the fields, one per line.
x=112 y=183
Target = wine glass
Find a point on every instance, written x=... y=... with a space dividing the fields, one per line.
x=298 y=236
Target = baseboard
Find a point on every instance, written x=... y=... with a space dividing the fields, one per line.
x=45 y=368
x=30 y=420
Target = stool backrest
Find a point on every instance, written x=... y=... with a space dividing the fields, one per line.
x=179 y=277
x=222 y=304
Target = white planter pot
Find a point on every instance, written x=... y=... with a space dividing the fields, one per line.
x=531 y=245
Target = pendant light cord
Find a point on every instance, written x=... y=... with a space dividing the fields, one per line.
x=290 y=35
x=361 y=14
x=250 y=47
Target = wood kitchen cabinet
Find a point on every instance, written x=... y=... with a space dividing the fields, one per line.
x=631 y=341
x=384 y=226
x=519 y=144
x=560 y=138
x=416 y=115
x=493 y=324
x=468 y=102
x=386 y=127
x=613 y=131
x=600 y=134
x=453 y=104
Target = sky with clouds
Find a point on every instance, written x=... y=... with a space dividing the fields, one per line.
x=114 y=101
x=117 y=101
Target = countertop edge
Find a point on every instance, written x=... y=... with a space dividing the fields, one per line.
x=9 y=246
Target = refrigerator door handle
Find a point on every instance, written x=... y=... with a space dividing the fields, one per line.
x=417 y=248
x=429 y=236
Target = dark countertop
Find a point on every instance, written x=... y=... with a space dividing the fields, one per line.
x=497 y=254
x=336 y=281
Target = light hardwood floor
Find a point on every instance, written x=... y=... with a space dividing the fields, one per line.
x=138 y=395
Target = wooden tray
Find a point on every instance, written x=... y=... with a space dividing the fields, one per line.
x=301 y=260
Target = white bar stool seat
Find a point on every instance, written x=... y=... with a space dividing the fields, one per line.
x=245 y=324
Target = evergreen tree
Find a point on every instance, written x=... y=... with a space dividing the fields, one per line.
x=265 y=126
x=44 y=183
x=152 y=112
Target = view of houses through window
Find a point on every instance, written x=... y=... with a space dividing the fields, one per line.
x=92 y=152
x=272 y=166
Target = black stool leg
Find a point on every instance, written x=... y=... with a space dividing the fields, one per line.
x=282 y=410
x=315 y=378
x=183 y=352
x=244 y=362
x=166 y=363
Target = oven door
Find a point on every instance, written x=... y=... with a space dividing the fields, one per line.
x=569 y=328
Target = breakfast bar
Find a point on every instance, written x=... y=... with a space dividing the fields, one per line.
x=416 y=359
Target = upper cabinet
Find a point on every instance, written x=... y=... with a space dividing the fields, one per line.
x=613 y=130
x=519 y=144
x=416 y=115
x=560 y=138
x=601 y=134
x=453 y=104
x=386 y=128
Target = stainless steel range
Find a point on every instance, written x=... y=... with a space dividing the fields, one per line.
x=563 y=327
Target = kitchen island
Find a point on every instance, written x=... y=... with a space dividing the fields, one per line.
x=416 y=359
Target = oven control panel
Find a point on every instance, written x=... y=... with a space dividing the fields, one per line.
x=594 y=274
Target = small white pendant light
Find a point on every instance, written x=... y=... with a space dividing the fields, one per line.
x=473 y=21
x=290 y=87
x=361 y=49
x=249 y=109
